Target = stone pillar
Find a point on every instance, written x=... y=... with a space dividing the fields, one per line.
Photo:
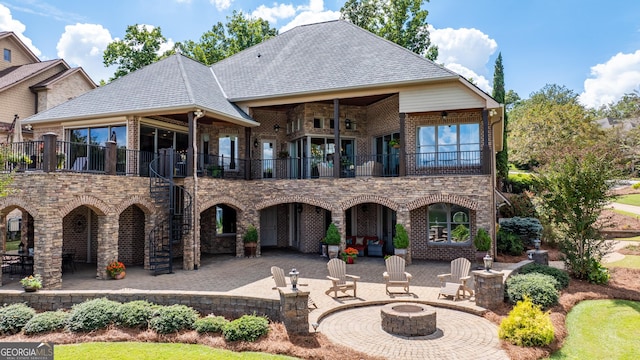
x=47 y=260
x=539 y=256
x=110 y=158
x=49 y=152
x=294 y=311
x=3 y=236
x=489 y=288
x=108 y=228
x=337 y=217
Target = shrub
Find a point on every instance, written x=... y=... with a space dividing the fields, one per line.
x=521 y=206
x=520 y=182
x=526 y=228
x=509 y=243
x=210 y=324
x=14 y=317
x=562 y=277
x=169 y=319
x=93 y=314
x=636 y=186
x=597 y=273
x=136 y=314
x=248 y=328
x=401 y=240
x=482 y=241
x=251 y=236
x=527 y=325
x=46 y=322
x=540 y=288
x=333 y=235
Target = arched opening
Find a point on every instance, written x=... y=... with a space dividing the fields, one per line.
x=369 y=228
x=18 y=245
x=131 y=236
x=218 y=227
x=80 y=235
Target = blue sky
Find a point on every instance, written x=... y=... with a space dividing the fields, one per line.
x=592 y=47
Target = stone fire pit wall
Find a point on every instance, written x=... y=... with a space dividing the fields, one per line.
x=408 y=319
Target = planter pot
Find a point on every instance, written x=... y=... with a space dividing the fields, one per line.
x=333 y=251
x=250 y=249
x=323 y=250
x=30 y=289
x=119 y=276
x=401 y=252
x=397 y=146
x=351 y=260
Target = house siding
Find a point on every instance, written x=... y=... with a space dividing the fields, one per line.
x=18 y=56
x=439 y=97
x=65 y=89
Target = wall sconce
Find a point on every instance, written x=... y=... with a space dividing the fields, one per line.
x=255 y=143
x=276 y=128
x=318 y=209
x=444 y=115
x=347 y=124
x=365 y=208
x=299 y=208
x=492 y=112
x=293 y=274
x=488 y=262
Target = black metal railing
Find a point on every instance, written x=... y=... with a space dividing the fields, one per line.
x=445 y=163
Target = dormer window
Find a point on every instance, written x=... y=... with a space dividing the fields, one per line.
x=7 y=55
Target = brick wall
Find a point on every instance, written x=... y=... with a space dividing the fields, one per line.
x=131 y=236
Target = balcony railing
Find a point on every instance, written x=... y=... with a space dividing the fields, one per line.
x=78 y=157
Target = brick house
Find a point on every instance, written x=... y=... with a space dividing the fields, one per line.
x=29 y=86
x=323 y=123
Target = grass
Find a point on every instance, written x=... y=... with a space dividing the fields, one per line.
x=629 y=261
x=635 y=238
x=12 y=245
x=602 y=329
x=631 y=199
x=626 y=213
x=152 y=351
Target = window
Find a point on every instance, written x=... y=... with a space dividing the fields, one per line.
x=7 y=55
x=228 y=151
x=225 y=220
x=318 y=123
x=448 y=145
x=449 y=224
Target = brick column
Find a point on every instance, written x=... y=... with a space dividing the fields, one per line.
x=47 y=260
x=489 y=288
x=337 y=217
x=49 y=154
x=110 y=158
x=294 y=311
x=108 y=228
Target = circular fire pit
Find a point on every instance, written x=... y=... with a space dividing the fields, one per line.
x=408 y=319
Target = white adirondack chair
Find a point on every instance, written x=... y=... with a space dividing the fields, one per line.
x=454 y=284
x=395 y=276
x=341 y=281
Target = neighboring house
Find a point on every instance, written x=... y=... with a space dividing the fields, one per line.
x=323 y=123
x=29 y=86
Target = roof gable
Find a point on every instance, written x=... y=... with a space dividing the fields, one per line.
x=321 y=57
x=17 y=74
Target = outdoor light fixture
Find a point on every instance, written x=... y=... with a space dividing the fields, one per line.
x=255 y=143
x=488 y=262
x=293 y=274
x=444 y=115
x=315 y=326
x=347 y=124
x=28 y=127
x=536 y=244
x=318 y=209
x=299 y=207
x=276 y=128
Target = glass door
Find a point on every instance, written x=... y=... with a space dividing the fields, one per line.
x=268 y=159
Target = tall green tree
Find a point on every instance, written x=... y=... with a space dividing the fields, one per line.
x=403 y=22
x=224 y=40
x=502 y=157
x=627 y=107
x=541 y=126
x=140 y=47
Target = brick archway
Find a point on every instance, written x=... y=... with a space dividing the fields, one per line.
x=295 y=199
x=95 y=204
x=11 y=202
x=237 y=205
x=376 y=199
x=451 y=199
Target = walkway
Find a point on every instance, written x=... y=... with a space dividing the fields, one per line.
x=352 y=322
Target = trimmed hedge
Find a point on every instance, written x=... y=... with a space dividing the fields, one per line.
x=509 y=243
x=14 y=317
x=169 y=319
x=561 y=276
x=210 y=324
x=540 y=288
x=46 y=322
x=526 y=228
x=93 y=315
x=136 y=314
x=527 y=325
x=247 y=328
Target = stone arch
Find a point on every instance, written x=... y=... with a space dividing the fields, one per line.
x=17 y=202
x=227 y=200
x=451 y=199
x=145 y=205
x=376 y=199
x=97 y=205
x=295 y=199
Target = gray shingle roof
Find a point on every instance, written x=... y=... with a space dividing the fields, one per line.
x=175 y=82
x=323 y=56
x=16 y=74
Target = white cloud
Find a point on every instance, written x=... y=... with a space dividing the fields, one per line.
x=8 y=23
x=469 y=47
x=309 y=14
x=469 y=74
x=611 y=80
x=83 y=45
x=221 y=4
x=272 y=14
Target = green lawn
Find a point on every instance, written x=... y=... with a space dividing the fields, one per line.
x=629 y=261
x=635 y=238
x=631 y=199
x=12 y=245
x=626 y=213
x=602 y=329
x=152 y=351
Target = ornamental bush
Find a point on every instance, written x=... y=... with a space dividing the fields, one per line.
x=561 y=276
x=93 y=315
x=520 y=182
x=210 y=324
x=509 y=243
x=597 y=273
x=527 y=325
x=136 y=314
x=540 y=288
x=170 y=319
x=526 y=228
x=14 y=317
x=46 y=322
x=247 y=328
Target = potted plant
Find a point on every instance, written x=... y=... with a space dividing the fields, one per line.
x=250 y=240
x=323 y=247
x=214 y=170
x=482 y=243
x=349 y=255
x=283 y=154
x=116 y=270
x=31 y=283
x=401 y=241
x=332 y=239
x=395 y=143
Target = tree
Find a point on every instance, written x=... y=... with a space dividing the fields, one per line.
x=502 y=157
x=541 y=126
x=224 y=40
x=403 y=22
x=574 y=191
x=140 y=47
x=627 y=107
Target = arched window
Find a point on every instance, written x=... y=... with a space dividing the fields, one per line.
x=449 y=224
